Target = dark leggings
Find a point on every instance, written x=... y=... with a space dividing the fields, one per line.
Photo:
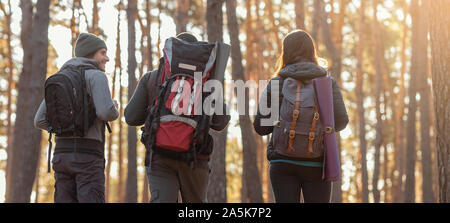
x=290 y=180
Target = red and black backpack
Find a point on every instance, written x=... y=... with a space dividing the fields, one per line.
x=176 y=126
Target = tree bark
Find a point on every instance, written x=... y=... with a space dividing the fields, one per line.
x=217 y=189
x=440 y=37
x=300 y=14
x=250 y=53
x=75 y=24
x=117 y=66
x=94 y=28
x=424 y=108
x=182 y=15
x=338 y=41
x=260 y=74
x=274 y=28
x=360 y=103
x=340 y=25
x=149 y=36
x=378 y=57
x=397 y=191
x=27 y=144
x=9 y=127
x=418 y=67
x=250 y=169
x=316 y=20
x=158 y=49
x=120 y=187
x=131 y=189
x=335 y=69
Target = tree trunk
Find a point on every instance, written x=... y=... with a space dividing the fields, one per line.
x=36 y=182
x=434 y=161
x=340 y=25
x=24 y=80
x=94 y=28
x=27 y=144
x=300 y=14
x=424 y=108
x=120 y=158
x=250 y=169
x=389 y=105
x=250 y=54
x=182 y=15
x=337 y=187
x=9 y=127
x=418 y=67
x=120 y=187
x=149 y=36
x=335 y=67
x=399 y=123
x=116 y=67
x=335 y=70
x=75 y=24
x=274 y=27
x=440 y=37
x=378 y=57
x=360 y=103
x=217 y=189
x=251 y=70
x=158 y=49
x=131 y=190
x=387 y=198
x=261 y=74
x=338 y=41
x=316 y=20
x=142 y=49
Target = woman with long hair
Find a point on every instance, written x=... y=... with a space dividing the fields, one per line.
x=295 y=151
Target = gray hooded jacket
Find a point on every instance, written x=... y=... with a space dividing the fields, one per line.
x=97 y=87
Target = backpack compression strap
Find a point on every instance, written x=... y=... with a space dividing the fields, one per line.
x=312 y=130
x=294 y=117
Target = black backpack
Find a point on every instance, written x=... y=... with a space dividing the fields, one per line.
x=70 y=109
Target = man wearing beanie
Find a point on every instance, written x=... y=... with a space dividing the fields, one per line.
x=167 y=176
x=78 y=162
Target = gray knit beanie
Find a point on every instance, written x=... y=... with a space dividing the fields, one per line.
x=88 y=43
x=188 y=37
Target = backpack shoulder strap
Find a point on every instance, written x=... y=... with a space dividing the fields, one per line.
x=281 y=90
x=85 y=100
x=86 y=117
x=154 y=82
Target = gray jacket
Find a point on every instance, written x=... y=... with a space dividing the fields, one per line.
x=97 y=87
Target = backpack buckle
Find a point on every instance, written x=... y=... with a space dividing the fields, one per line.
x=277 y=124
x=311 y=136
x=316 y=116
x=328 y=130
x=291 y=134
x=295 y=114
